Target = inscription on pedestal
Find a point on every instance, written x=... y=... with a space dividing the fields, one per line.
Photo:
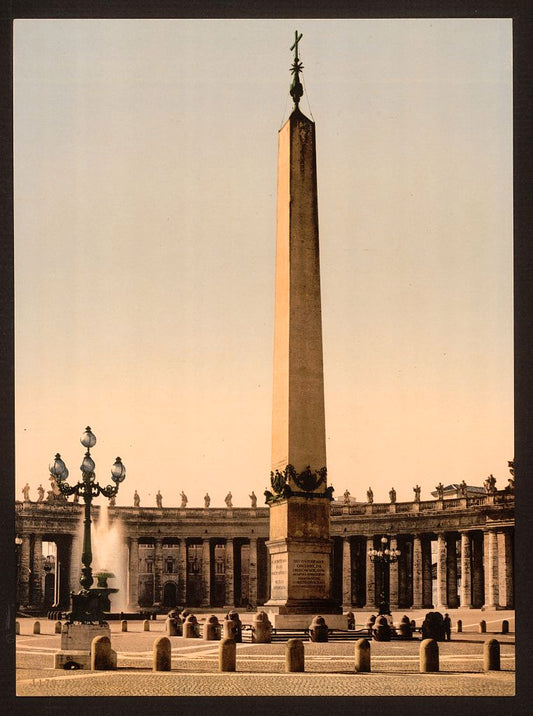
x=278 y=577
x=309 y=573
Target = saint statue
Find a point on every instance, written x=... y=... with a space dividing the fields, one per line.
x=253 y=498
x=392 y=495
x=40 y=492
x=26 y=492
x=440 y=491
x=207 y=500
x=183 y=499
x=159 y=499
x=228 y=499
x=136 y=499
x=346 y=497
x=416 y=490
x=369 y=496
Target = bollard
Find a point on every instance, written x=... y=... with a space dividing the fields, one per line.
x=381 y=630
x=162 y=654
x=294 y=655
x=404 y=629
x=362 y=655
x=505 y=627
x=124 y=625
x=227 y=655
x=351 y=620
x=190 y=627
x=261 y=629
x=36 y=627
x=318 y=629
x=459 y=626
x=17 y=627
x=233 y=616
x=146 y=625
x=103 y=658
x=173 y=627
x=491 y=655
x=58 y=628
x=482 y=627
x=229 y=629
x=211 y=629
x=429 y=656
x=413 y=624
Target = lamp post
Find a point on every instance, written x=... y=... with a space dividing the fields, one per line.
x=86 y=607
x=381 y=558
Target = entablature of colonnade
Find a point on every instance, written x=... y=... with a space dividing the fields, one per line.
x=43 y=517
x=479 y=513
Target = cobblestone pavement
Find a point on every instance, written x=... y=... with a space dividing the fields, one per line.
x=329 y=668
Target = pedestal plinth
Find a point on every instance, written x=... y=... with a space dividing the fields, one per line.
x=76 y=640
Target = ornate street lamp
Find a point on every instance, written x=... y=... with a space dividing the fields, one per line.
x=87 y=604
x=381 y=558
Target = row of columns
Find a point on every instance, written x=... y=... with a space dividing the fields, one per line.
x=486 y=565
x=206 y=571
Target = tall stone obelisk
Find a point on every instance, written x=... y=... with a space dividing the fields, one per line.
x=299 y=544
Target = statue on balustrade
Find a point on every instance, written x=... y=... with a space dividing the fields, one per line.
x=253 y=498
x=228 y=499
x=416 y=490
x=207 y=500
x=490 y=485
x=392 y=495
x=40 y=492
x=346 y=497
x=136 y=499
x=159 y=499
x=463 y=487
x=184 y=499
x=26 y=492
x=440 y=491
x=369 y=496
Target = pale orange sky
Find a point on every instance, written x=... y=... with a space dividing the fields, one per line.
x=145 y=179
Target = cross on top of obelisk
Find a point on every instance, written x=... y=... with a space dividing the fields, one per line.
x=296 y=90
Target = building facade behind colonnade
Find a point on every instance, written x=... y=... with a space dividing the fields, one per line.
x=455 y=552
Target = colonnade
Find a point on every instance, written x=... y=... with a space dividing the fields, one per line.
x=469 y=568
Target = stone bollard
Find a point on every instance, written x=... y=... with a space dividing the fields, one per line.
x=482 y=627
x=190 y=627
x=36 y=627
x=124 y=625
x=491 y=655
x=505 y=627
x=58 y=628
x=294 y=655
x=459 y=626
x=162 y=654
x=404 y=630
x=261 y=629
x=146 y=625
x=318 y=629
x=234 y=617
x=381 y=630
x=413 y=624
x=211 y=629
x=227 y=655
x=173 y=627
x=429 y=656
x=103 y=658
x=229 y=630
x=362 y=655
x=351 y=620
x=17 y=627
x=370 y=623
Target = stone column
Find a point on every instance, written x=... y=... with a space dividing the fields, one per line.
x=158 y=572
x=442 y=597
x=346 y=573
x=182 y=573
x=491 y=570
x=466 y=574
x=25 y=571
x=206 y=573
x=394 y=578
x=229 y=574
x=252 y=572
x=370 y=577
x=477 y=571
x=75 y=565
x=505 y=570
x=37 y=571
x=133 y=574
x=451 y=570
x=417 y=573
x=427 y=574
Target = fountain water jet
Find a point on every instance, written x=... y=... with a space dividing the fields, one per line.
x=110 y=556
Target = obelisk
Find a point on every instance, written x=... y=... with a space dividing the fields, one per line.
x=299 y=544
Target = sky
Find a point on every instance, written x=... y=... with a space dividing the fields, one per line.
x=145 y=213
